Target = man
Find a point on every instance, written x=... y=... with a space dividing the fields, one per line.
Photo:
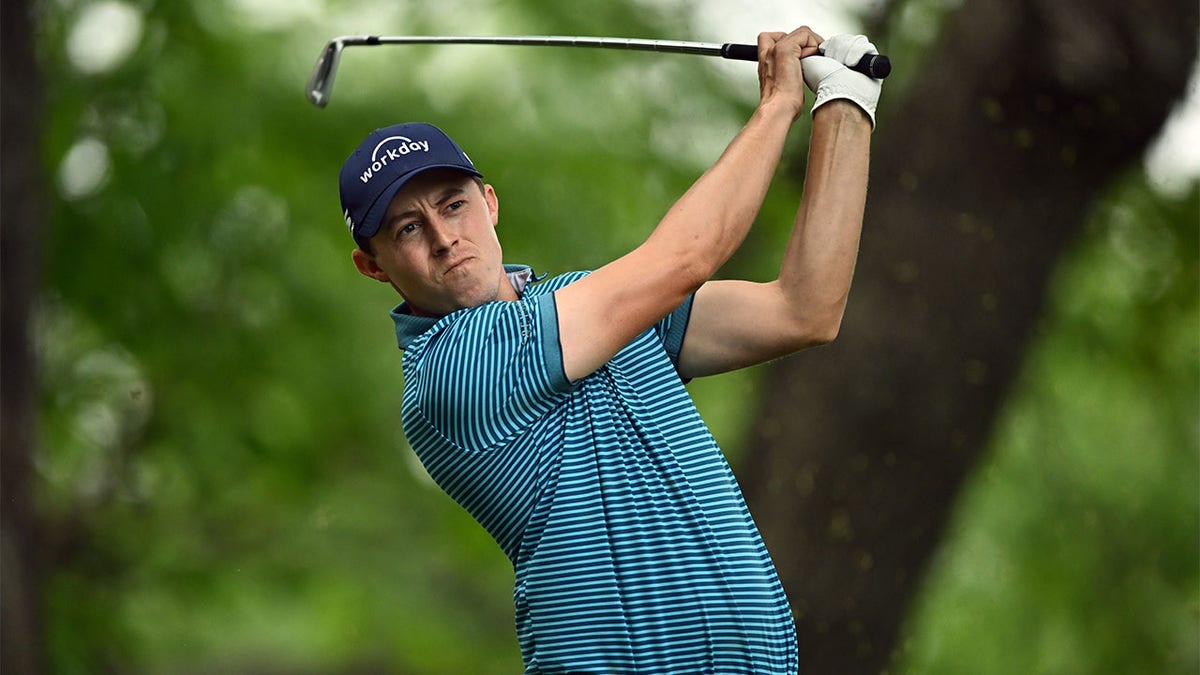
x=555 y=413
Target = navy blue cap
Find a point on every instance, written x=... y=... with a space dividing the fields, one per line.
x=384 y=162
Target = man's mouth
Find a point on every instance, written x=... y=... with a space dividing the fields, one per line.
x=456 y=265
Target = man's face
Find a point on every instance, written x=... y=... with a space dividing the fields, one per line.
x=437 y=245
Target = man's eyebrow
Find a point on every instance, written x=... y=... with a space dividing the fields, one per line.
x=446 y=194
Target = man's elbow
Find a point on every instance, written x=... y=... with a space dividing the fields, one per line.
x=817 y=329
x=684 y=269
x=827 y=333
x=824 y=332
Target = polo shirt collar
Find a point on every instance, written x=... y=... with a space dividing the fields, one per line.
x=410 y=327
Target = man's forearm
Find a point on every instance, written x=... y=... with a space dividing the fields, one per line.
x=819 y=262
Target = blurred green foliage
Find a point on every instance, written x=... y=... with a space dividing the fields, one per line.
x=223 y=477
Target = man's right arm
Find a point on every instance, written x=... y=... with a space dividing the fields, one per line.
x=600 y=314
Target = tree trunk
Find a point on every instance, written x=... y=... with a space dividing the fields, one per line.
x=20 y=217
x=983 y=173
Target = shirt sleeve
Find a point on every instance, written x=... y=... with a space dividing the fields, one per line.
x=485 y=374
x=673 y=327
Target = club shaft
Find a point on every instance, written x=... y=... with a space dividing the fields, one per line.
x=320 y=84
x=673 y=46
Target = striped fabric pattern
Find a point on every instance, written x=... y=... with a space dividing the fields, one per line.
x=633 y=548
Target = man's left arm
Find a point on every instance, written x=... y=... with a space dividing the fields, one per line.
x=735 y=324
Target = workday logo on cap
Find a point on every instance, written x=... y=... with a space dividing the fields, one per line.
x=391 y=149
x=384 y=162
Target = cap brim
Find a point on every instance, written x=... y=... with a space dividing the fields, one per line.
x=374 y=218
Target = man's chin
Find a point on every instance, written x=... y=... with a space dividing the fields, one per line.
x=466 y=301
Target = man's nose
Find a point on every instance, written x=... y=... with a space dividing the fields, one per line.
x=444 y=236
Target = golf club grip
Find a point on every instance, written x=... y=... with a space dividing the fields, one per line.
x=877 y=66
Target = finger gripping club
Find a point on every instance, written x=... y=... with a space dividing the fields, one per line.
x=877 y=66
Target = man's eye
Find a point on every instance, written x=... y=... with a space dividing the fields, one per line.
x=456 y=205
x=408 y=229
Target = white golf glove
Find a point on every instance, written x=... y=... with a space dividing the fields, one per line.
x=829 y=77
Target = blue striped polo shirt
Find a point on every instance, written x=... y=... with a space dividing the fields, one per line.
x=633 y=548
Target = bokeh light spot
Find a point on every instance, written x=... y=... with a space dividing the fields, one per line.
x=84 y=169
x=104 y=35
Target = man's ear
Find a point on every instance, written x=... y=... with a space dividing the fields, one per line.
x=493 y=203
x=368 y=267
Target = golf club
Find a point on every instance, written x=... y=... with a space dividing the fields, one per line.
x=320 y=83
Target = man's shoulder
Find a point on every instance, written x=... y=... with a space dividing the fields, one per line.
x=553 y=283
x=468 y=323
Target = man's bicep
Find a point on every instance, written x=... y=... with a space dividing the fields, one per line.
x=735 y=324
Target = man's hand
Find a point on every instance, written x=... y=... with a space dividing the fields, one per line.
x=829 y=77
x=780 y=76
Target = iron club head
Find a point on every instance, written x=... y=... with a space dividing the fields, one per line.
x=320 y=83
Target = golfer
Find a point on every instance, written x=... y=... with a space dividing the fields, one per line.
x=554 y=410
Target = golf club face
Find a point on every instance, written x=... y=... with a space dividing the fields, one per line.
x=320 y=83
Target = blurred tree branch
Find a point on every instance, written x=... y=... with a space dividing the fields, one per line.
x=21 y=219
x=984 y=171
